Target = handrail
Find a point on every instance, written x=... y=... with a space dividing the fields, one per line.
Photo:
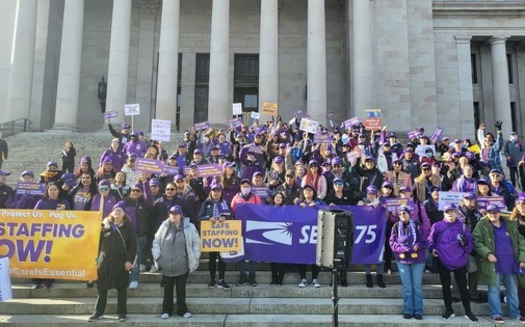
x=14 y=121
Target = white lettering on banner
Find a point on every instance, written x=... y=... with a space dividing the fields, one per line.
x=367 y=230
x=309 y=235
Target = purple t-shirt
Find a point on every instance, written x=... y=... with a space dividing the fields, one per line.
x=503 y=250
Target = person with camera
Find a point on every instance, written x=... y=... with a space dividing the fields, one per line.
x=450 y=241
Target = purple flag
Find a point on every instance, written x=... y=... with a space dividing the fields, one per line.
x=436 y=136
x=289 y=234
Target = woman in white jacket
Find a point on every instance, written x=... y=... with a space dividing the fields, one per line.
x=176 y=251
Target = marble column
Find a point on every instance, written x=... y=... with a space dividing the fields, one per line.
x=269 y=54
x=219 y=106
x=117 y=91
x=466 y=96
x=66 y=110
x=362 y=81
x=316 y=61
x=500 y=83
x=168 y=61
x=22 y=58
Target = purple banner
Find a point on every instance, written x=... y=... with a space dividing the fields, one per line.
x=149 y=166
x=262 y=191
x=235 y=122
x=330 y=114
x=413 y=134
x=209 y=170
x=289 y=234
x=30 y=188
x=201 y=126
x=323 y=138
x=436 y=136
x=169 y=170
x=485 y=201
x=351 y=122
x=111 y=114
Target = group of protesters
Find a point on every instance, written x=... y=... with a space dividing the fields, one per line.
x=151 y=221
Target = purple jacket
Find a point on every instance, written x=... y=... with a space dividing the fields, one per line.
x=464 y=184
x=402 y=243
x=109 y=202
x=48 y=204
x=137 y=148
x=118 y=159
x=445 y=238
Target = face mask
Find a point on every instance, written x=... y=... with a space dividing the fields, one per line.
x=206 y=140
x=513 y=138
x=429 y=155
x=245 y=191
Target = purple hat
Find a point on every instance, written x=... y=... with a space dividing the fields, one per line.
x=308 y=186
x=404 y=208
x=215 y=147
x=4 y=173
x=246 y=180
x=154 y=182
x=299 y=163
x=193 y=165
x=338 y=180
x=450 y=206
x=313 y=162
x=197 y=151
x=371 y=189
x=470 y=196
x=387 y=184
x=257 y=173
x=68 y=179
x=141 y=133
x=492 y=208
x=404 y=189
x=327 y=163
x=408 y=150
x=435 y=188
x=483 y=180
x=139 y=186
x=521 y=198
x=278 y=159
x=425 y=164
x=173 y=156
x=369 y=158
x=336 y=161
x=51 y=163
x=495 y=171
x=134 y=134
x=228 y=164
x=178 y=177
x=470 y=155
x=119 y=205
x=176 y=209
x=86 y=159
x=182 y=145
x=27 y=172
x=104 y=182
x=215 y=186
x=457 y=141
x=392 y=134
x=386 y=144
x=397 y=160
x=107 y=160
x=126 y=126
x=282 y=145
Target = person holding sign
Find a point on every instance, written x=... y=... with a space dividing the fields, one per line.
x=216 y=210
x=123 y=136
x=23 y=201
x=408 y=243
x=450 y=241
x=118 y=245
x=176 y=252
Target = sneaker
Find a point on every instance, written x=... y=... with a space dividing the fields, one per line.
x=520 y=319
x=418 y=317
x=242 y=280
x=142 y=268
x=407 y=316
x=498 y=320
x=153 y=269
x=187 y=315
x=164 y=315
x=223 y=285
x=122 y=317
x=315 y=283
x=302 y=284
x=133 y=285
x=95 y=317
x=36 y=286
x=449 y=314
x=252 y=281
x=90 y=284
x=212 y=284
x=470 y=317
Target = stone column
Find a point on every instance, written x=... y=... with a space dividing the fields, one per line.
x=69 y=69
x=316 y=61
x=466 y=96
x=219 y=106
x=22 y=57
x=187 y=92
x=500 y=83
x=168 y=61
x=362 y=81
x=269 y=54
x=117 y=91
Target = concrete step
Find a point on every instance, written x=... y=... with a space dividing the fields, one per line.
x=148 y=290
x=211 y=305
x=236 y=320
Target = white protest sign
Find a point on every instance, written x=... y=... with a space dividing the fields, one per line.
x=450 y=198
x=6 y=293
x=421 y=150
x=255 y=115
x=160 y=130
x=132 y=109
x=237 y=108
x=308 y=125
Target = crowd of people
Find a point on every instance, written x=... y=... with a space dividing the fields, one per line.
x=149 y=220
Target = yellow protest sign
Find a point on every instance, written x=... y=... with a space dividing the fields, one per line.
x=225 y=236
x=56 y=244
x=475 y=148
x=270 y=108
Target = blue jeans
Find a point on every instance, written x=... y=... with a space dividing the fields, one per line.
x=251 y=265
x=141 y=245
x=511 y=290
x=380 y=268
x=412 y=287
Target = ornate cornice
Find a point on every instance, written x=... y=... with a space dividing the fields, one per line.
x=478 y=8
x=148 y=7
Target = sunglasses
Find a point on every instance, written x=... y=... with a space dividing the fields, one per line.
x=104 y=188
x=136 y=190
x=179 y=181
x=426 y=169
x=337 y=166
x=170 y=189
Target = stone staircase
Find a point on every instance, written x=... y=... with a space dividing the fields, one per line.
x=70 y=303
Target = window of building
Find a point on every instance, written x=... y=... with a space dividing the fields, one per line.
x=202 y=81
x=509 y=68
x=474 y=68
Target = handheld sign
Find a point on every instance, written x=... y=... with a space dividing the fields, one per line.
x=237 y=108
x=23 y=188
x=149 y=166
x=323 y=138
x=255 y=115
x=160 y=130
x=270 y=108
x=132 y=109
x=225 y=236
x=111 y=114
x=308 y=125
x=201 y=126
x=436 y=136
x=372 y=119
x=446 y=198
x=351 y=122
